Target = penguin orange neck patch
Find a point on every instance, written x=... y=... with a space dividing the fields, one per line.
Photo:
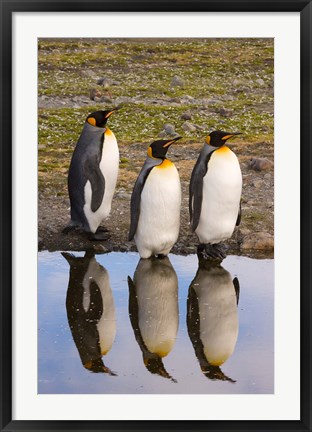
x=165 y=164
x=223 y=150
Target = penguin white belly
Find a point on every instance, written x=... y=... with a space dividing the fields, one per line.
x=109 y=166
x=107 y=324
x=218 y=315
x=157 y=296
x=222 y=188
x=159 y=221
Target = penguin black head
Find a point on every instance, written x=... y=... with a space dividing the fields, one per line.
x=215 y=373
x=218 y=138
x=155 y=366
x=158 y=149
x=99 y=118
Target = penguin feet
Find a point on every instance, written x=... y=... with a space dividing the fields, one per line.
x=69 y=228
x=98 y=236
x=220 y=250
x=101 y=229
x=212 y=252
x=161 y=256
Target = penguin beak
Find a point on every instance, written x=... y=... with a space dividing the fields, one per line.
x=112 y=110
x=230 y=135
x=171 y=141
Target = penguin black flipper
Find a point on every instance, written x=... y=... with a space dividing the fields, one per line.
x=136 y=196
x=196 y=188
x=133 y=304
x=96 y=178
x=96 y=307
x=193 y=324
x=134 y=314
x=239 y=216
x=237 y=288
x=196 y=193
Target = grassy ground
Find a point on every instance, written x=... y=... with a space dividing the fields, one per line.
x=228 y=84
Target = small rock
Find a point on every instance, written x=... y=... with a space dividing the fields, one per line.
x=125 y=196
x=52 y=229
x=258 y=241
x=199 y=127
x=89 y=73
x=267 y=176
x=188 y=99
x=228 y=97
x=244 y=231
x=123 y=99
x=168 y=131
x=99 y=248
x=169 y=128
x=175 y=100
x=94 y=93
x=259 y=164
x=106 y=99
x=260 y=82
x=225 y=112
x=257 y=183
x=188 y=127
x=237 y=82
x=186 y=116
x=177 y=81
x=190 y=249
x=107 y=82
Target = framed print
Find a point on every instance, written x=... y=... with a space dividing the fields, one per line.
x=155 y=215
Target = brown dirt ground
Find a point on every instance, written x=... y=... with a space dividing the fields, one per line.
x=257 y=203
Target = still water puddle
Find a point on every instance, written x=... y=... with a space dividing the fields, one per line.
x=114 y=324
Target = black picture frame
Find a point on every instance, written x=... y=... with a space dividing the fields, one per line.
x=7 y=10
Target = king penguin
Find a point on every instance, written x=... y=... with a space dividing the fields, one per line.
x=90 y=310
x=154 y=311
x=215 y=194
x=156 y=203
x=212 y=317
x=93 y=175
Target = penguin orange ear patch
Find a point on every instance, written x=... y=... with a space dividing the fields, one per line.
x=92 y=121
x=208 y=139
x=150 y=152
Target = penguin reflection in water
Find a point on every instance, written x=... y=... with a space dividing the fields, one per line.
x=212 y=318
x=93 y=175
x=156 y=203
x=153 y=310
x=215 y=194
x=90 y=310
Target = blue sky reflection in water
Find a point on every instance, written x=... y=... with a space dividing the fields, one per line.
x=249 y=369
